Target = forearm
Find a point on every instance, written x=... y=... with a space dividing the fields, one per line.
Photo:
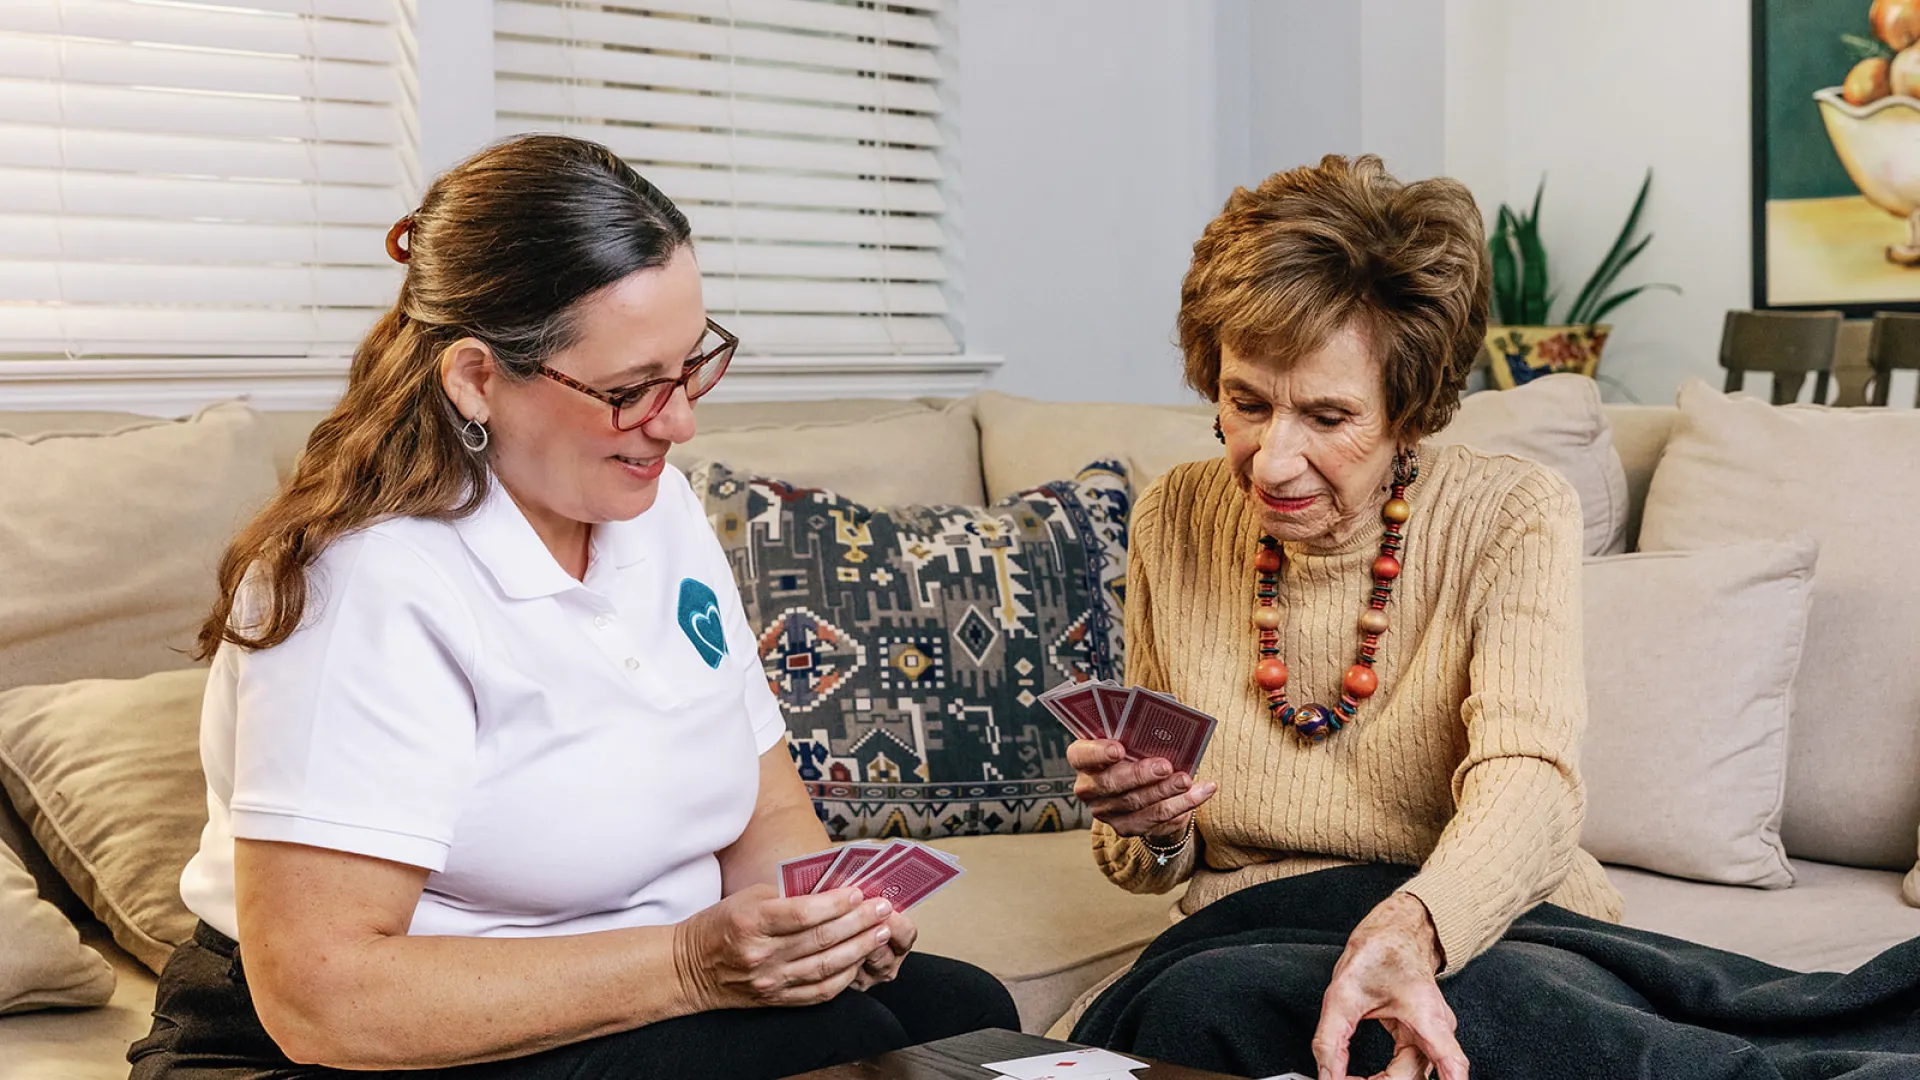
x=402 y=1002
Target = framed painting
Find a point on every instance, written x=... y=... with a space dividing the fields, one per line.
x=1836 y=155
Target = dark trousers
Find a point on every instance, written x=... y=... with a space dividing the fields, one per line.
x=205 y=1028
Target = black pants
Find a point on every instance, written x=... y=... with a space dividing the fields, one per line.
x=205 y=1028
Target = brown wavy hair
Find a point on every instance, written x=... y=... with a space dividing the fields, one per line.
x=504 y=248
x=1287 y=265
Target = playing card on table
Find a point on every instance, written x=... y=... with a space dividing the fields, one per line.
x=1087 y=1064
x=847 y=864
x=1073 y=705
x=1156 y=726
x=907 y=876
x=799 y=876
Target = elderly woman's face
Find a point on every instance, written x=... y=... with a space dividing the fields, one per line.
x=1309 y=441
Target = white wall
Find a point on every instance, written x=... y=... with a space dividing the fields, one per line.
x=1088 y=167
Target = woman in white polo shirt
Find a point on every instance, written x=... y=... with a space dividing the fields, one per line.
x=496 y=786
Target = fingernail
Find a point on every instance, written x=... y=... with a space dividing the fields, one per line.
x=884 y=934
x=882 y=908
x=1115 y=751
x=1209 y=788
x=1181 y=784
x=1161 y=768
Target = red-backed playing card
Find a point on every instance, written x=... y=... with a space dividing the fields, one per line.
x=1073 y=705
x=1111 y=699
x=1157 y=726
x=908 y=877
x=799 y=876
x=849 y=861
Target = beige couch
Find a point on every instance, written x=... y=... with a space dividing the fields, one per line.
x=1032 y=909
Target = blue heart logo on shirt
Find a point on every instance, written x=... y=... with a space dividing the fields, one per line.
x=700 y=621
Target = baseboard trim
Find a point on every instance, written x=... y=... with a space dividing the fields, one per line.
x=177 y=387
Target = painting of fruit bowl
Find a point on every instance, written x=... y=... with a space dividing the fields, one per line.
x=1836 y=138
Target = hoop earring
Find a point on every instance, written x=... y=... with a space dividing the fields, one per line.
x=474 y=436
x=1217 y=433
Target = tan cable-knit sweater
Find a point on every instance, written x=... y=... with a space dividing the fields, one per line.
x=1463 y=764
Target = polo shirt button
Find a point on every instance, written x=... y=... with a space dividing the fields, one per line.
x=601 y=622
x=633 y=663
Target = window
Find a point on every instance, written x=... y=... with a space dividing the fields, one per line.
x=801 y=137
x=204 y=178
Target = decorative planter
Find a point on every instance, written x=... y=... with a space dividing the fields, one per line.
x=1520 y=354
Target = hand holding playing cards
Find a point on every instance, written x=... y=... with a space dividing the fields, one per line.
x=759 y=948
x=1136 y=798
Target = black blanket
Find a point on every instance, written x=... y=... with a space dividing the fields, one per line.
x=1236 y=988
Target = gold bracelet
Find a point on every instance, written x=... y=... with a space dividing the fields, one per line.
x=1163 y=855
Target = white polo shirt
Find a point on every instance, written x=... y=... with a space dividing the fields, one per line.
x=563 y=756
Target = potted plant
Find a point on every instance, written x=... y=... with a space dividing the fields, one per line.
x=1524 y=341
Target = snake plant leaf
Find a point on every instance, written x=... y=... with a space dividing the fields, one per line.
x=1616 y=259
x=1506 y=278
x=1533 y=275
x=1625 y=295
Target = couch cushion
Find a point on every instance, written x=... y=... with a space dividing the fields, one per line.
x=1835 y=918
x=1737 y=468
x=1025 y=443
x=1639 y=437
x=1690 y=659
x=907 y=644
x=1037 y=913
x=109 y=542
x=43 y=965
x=107 y=775
x=1557 y=421
x=909 y=453
x=84 y=1044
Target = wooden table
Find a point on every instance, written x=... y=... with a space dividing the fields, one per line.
x=960 y=1058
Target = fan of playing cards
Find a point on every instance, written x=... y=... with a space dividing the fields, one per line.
x=1147 y=723
x=900 y=871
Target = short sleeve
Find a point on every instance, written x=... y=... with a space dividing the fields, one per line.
x=357 y=733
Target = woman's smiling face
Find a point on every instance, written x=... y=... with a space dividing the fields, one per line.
x=1309 y=440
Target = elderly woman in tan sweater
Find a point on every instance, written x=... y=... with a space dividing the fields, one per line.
x=1387 y=631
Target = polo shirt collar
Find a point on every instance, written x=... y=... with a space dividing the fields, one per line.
x=502 y=538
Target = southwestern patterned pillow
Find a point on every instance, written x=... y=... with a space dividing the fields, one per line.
x=908 y=645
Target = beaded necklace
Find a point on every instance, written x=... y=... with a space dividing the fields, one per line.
x=1314 y=722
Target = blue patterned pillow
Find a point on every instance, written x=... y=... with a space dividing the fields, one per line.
x=909 y=645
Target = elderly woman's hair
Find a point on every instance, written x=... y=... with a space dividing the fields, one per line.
x=1287 y=265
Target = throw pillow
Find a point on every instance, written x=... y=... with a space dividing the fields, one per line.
x=1738 y=467
x=43 y=965
x=908 y=645
x=110 y=541
x=861 y=459
x=1690 y=660
x=1558 y=421
x=107 y=775
x=1026 y=443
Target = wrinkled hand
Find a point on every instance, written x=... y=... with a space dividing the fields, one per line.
x=883 y=963
x=759 y=948
x=1137 y=798
x=1387 y=974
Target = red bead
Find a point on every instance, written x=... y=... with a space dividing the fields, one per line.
x=1361 y=682
x=1267 y=561
x=1386 y=568
x=1270 y=673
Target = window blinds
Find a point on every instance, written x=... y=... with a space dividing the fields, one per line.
x=801 y=138
x=213 y=177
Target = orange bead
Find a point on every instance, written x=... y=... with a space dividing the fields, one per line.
x=1267 y=561
x=1373 y=622
x=1361 y=682
x=1266 y=617
x=1397 y=511
x=1386 y=568
x=1270 y=673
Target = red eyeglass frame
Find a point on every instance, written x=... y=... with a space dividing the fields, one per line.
x=721 y=354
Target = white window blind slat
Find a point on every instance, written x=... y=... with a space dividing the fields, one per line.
x=815 y=261
x=711 y=38
x=44 y=56
x=795 y=296
x=41 y=146
x=542 y=98
x=748 y=223
x=839 y=334
x=165 y=112
x=882 y=23
x=639 y=143
x=775 y=189
x=555 y=60
x=106 y=239
x=203 y=28
x=213 y=177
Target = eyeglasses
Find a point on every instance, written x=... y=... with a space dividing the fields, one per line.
x=634 y=407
